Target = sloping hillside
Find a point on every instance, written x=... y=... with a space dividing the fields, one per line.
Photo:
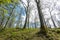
x=29 y=34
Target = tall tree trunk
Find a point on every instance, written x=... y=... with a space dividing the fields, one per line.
x=2 y=19
x=27 y=16
x=28 y=20
x=53 y=20
x=9 y=17
x=25 y=23
x=42 y=21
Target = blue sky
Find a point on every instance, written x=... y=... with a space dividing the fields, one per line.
x=21 y=10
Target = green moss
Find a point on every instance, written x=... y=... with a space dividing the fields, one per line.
x=28 y=34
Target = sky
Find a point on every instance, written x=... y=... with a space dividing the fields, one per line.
x=46 y=4
x=55 y=11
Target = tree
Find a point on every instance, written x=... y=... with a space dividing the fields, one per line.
x=9 y=17
x=11 y=21
x=51 y=7
x=5 y=4
x=3 y=11
x=43 y=26
x=27 y=13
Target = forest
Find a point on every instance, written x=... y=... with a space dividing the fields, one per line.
x=29 y=19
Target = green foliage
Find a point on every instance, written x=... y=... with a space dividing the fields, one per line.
x=8 y=1
x=28 y=34
x=4 y=10
x=5 y=4
x=17 y=34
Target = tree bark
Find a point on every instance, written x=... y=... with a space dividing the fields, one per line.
x=27 y=16
x=53 y=21
x=9 y=17
x=42 y=21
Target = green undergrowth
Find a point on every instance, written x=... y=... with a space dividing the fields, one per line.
x=29 y=34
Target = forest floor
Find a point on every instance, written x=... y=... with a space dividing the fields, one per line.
x=29 y=34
